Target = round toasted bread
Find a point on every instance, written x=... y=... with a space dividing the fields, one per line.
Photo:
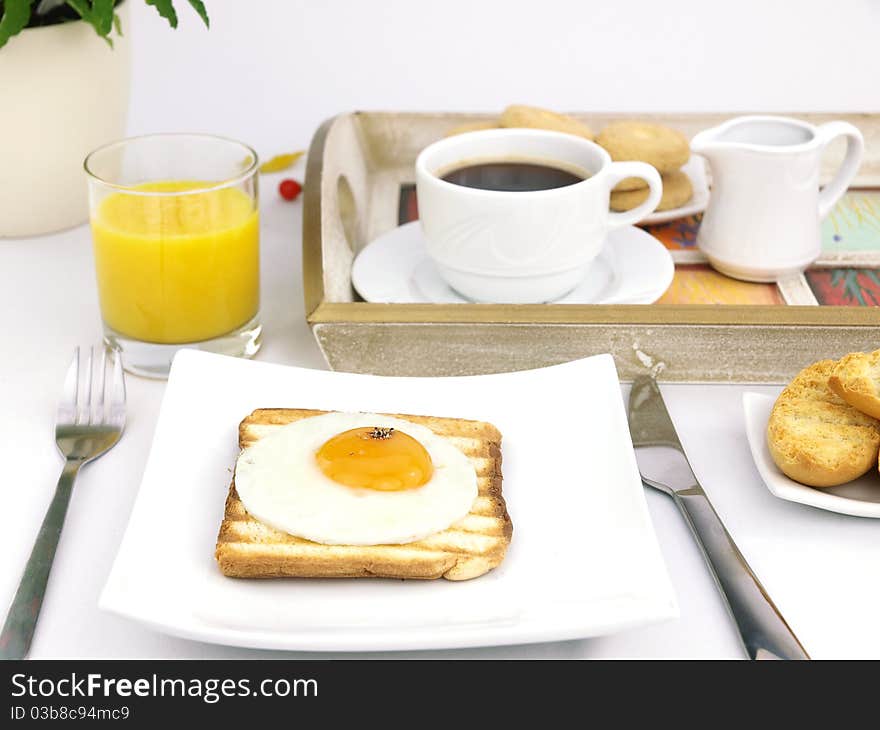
x=677 y=190
x=473 y=127
x=815 y=437
x=629 y=184
x=533 y=117
x=856 y=379
x=665 y=148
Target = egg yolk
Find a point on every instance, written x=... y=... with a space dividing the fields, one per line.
x=375 y=458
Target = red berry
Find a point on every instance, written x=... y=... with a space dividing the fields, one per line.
x=289 y=189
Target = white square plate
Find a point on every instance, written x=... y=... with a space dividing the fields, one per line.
x=584 y=559
x=860 y=497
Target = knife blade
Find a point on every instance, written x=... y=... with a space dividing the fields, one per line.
x=663 y=465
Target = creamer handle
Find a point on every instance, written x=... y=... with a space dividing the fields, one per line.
x=620 y=170
x=855 y=146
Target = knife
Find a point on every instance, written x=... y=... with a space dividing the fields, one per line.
x=664 y=466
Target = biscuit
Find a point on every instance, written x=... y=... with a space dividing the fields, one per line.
x=677 y=190
x=532 y=117
x=665 y=148
x=856 y=379
x=630 y=183
x=815 y=437
x=473 y=127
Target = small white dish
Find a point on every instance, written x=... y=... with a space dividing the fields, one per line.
x=632 y=268
x=695 y=169
x=860 y=497
x=584 y=560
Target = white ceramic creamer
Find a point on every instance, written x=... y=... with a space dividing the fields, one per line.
x=765 y=210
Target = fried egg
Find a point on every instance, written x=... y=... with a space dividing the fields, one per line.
x=355 y=479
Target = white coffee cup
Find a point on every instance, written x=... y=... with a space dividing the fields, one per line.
x=524 y=246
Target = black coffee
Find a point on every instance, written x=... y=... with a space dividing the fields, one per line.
x=511 y=176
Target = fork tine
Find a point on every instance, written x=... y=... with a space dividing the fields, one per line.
x=98 y=391
x=117 y=394
x=83 y=404
x=67 y=404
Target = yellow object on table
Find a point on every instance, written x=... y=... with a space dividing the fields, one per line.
x=177 y=268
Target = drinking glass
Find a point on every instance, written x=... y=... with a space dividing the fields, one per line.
x=175 y=228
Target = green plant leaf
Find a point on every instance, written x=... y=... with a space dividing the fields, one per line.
x=82 y=8
x=199 y=7
x=16 y=14
x=166 y=10
x=99 y=15
x=102 y=16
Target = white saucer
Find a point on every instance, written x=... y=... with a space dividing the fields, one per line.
x=695 y=169
x=860 y=497
x=632 y=268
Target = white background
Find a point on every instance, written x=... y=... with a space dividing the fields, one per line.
x=268 y=72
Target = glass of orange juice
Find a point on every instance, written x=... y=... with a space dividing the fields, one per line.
x=175 y=227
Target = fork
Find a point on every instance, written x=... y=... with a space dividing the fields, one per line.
x=89 y=423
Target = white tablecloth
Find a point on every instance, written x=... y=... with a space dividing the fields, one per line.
x=270 y=84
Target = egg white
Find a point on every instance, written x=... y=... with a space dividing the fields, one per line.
x=279 y=482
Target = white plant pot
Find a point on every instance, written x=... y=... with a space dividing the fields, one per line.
x=63 y=92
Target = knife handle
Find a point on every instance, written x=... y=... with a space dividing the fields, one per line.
x=764 y=633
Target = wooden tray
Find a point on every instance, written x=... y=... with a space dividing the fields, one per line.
x=359 y=162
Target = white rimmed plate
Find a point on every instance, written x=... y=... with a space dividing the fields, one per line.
x=584 y=560
x=860 y=497
x=632 y=268
x=695 y=169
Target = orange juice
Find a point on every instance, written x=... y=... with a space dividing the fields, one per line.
x=177 y=268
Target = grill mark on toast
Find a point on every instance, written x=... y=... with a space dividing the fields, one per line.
x=475 y=544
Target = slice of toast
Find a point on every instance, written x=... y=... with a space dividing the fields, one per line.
x=856 y=379
x=815 y=437
x=248 y=548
